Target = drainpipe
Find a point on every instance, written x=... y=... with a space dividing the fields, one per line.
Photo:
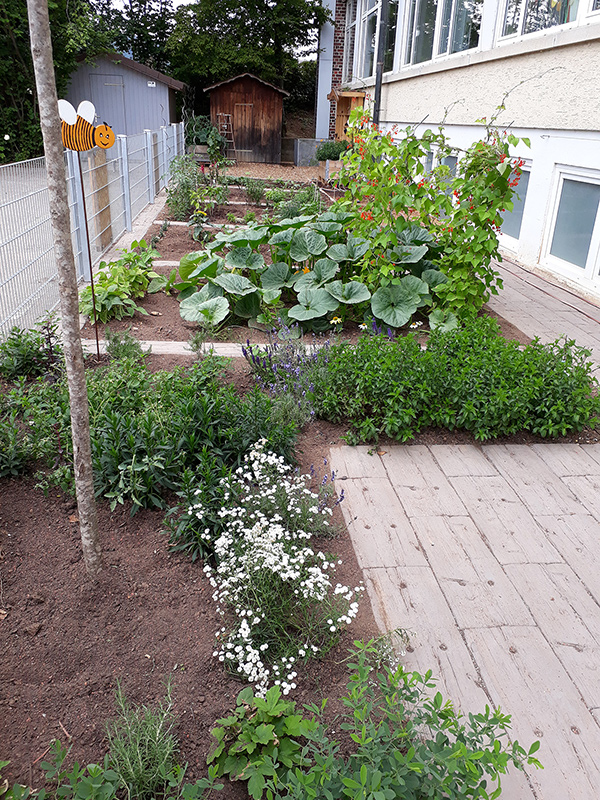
x=381 y=44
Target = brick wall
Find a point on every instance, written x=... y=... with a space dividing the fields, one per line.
x=338 y=58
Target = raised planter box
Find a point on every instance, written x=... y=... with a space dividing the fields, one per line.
x=328 y=170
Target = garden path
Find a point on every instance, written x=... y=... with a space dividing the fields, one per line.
x=540 y=307
x=488 y=556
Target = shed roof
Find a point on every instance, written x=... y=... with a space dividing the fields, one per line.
x=247 y=75
x=117 y=58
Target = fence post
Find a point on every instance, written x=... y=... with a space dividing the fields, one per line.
x=84 y=267
x=150 y=165
x=165 y=156
x=180 y=138
x=124 y=161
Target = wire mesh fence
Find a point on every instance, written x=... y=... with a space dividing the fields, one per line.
x=107 y=190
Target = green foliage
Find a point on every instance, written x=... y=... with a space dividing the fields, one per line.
x=75 y=28
x=255 y=190
x=121 y=346
x=259 y=739
x=117 y=284
x=33 y=352
x=406 y=743
x=142 y=746
x=185 y=179
x=196 y=129
x=469 y=378
x=331 y=150
x=458 y=212
x=14 y=447
x=147 y=428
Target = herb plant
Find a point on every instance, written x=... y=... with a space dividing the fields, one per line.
x=33 y=352
x=407 y=743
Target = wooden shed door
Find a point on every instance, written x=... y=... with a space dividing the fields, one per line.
x=243 y=131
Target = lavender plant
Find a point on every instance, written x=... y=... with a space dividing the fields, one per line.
x=287 y=369
x=275 y=593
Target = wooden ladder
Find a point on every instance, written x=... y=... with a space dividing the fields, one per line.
x=225 y=128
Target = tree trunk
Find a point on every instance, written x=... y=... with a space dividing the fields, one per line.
x=41 y=51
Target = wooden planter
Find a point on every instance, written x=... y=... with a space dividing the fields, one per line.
x=328 y=170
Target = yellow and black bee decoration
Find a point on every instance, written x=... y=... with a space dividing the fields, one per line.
x=78 y=131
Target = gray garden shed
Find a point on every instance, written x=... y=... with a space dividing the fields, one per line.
x=129 y=96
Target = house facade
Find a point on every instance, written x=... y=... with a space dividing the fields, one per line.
x=454 y=62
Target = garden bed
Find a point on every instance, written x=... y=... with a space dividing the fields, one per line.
x=65 y=640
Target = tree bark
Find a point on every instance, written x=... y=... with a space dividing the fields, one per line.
x=41 y=51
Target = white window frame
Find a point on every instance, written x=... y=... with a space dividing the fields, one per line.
x=436 y=56
x=362 y=14
x=588 y=274
x=584 y=10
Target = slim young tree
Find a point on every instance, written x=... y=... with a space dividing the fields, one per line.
x=41 y=51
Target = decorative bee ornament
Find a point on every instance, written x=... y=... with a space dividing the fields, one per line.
x=78 y=131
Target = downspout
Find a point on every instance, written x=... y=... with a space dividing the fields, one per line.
x=383 y=31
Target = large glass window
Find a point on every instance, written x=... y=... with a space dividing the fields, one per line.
x=369 y=37
x=349 y=40
x=512 y=220
x=529 y=16
x=575 y=221
x=453 y=24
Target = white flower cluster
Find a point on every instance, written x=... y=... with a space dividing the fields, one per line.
x=275 y=585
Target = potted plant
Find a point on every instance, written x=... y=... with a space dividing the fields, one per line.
x=328 y=155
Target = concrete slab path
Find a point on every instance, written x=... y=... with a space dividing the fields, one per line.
x=489 y=556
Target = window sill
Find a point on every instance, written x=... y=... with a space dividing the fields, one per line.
x=532 y=43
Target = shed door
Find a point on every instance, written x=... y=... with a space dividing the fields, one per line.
x=108 y=95
x=243 y=131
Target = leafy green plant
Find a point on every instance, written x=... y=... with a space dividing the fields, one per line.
x=469 y=378
x=331 y=150
x=119 y=283
x=260 y=739
x=14 y=447
x=255 y=190
x=458 y=211
x=249 y=216
x=121 y=345
x=185 y=179
x=33 y=352
x=407 y=743
x=197 y=127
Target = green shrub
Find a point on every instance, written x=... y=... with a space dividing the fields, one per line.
x=404 y=742
x=255 y=190
x=185 y=179
x=331 y=150
x=122 y=345
x=470 y=378
x=259 y=739
x=14 y=447
x=33 y=352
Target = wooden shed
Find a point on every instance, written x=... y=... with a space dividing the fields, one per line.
x=249 y=113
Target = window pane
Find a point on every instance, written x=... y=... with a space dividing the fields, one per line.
x=445 y=30
x=596 y=6
x=370 y=31
x=390 y=45
x=511 y=19
x=347 y=72
x=512 y=220
x=575 y=221
x=467 y=21
x=424 y=31
x=411 y=30
x=542 y=14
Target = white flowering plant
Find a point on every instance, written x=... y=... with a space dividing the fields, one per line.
x=275 y=593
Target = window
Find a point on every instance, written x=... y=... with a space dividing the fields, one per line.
x=369 y=34
x=575 y=221
x=441 y=27
x=349 y=40
x=529 y=16
x=512 y=220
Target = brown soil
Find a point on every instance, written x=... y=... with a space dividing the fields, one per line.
x=66 y=640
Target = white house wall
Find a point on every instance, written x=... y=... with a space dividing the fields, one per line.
x=550 y=89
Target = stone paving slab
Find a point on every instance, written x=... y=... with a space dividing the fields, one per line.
x=490 y=557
